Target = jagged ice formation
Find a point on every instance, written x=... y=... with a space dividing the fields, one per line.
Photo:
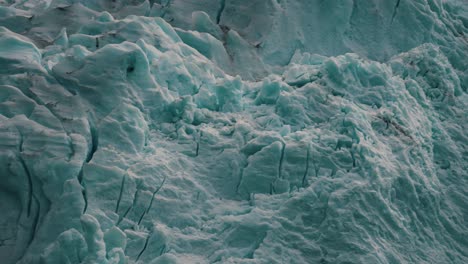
x=233 y=131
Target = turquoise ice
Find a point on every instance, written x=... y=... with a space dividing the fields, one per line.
x=233 y=131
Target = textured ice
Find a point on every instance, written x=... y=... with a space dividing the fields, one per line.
x=233 y=131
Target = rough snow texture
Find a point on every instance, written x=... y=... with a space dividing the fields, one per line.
x=125 y=138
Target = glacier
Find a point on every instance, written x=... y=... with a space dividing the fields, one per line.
x=233 y=131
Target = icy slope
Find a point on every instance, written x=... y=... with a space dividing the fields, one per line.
x=125 y=137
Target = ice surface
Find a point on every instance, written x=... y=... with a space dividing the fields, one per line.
x=183 y=131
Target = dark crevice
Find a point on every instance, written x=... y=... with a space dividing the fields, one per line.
x=197 y=150
x=220 y=11
x=144 y=247
x=30 y=184
x=225 y=29
x=94 y=142
x=124 y=215
x=85 y=197
x=120 y=194
x=353 y=13
x=36 y=218
x=80 y=176
x=306 y=172
x=151 y=202
x=135 y=198
x=35 y=222
x=141 y=217
x=280 y=165
x=34 y=225
x=395 y=10
x=154 y=194
x=83 y=190
x=21 y=143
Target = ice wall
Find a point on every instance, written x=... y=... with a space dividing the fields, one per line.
x=233 y=131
